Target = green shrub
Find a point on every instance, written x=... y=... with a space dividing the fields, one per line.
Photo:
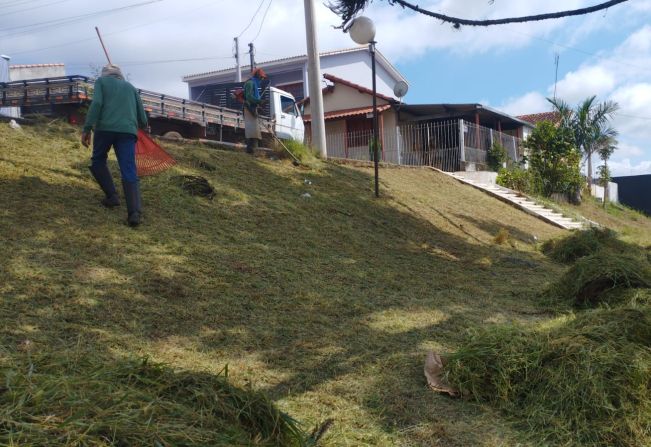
x=305 y=154
x=515 y=177
x=580 y=382
x=554 y=160
x=496 y=156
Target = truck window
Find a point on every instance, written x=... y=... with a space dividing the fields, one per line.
x=287 y=105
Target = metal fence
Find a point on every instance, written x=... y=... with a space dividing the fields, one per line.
x=452 y=145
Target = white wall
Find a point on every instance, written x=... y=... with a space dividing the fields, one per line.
x=344 y=97
x=598 y=192
x=13 y=112
x=18 y=73
x=354 y=66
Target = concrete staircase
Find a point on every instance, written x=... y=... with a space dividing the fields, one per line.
x=525 y=204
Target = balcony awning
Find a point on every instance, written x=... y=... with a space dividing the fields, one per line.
x=349 y=112
x=487 y=115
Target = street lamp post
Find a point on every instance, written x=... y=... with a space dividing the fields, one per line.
x=362 y=31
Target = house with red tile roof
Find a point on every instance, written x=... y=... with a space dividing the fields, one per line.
x=449 y=136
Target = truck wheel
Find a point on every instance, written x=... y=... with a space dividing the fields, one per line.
x=173 y=135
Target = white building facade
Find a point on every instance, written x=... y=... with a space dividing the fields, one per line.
x=290 y=74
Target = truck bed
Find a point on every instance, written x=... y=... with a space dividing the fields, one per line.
x=43 y=95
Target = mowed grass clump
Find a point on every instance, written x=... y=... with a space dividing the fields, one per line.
x=575 y=382
x=582 y=243
x=585 y=283
x=80 y=399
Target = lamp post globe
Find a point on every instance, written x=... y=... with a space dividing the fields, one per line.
x=362 y=30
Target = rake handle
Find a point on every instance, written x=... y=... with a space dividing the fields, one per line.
x=108 y=58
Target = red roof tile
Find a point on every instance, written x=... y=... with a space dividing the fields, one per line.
x=535 y=118
x=350 y=112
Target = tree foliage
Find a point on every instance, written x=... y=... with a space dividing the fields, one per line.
x=590 y=124
x=553 y=160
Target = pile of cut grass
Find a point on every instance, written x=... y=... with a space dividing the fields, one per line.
x=576 y=382
x=582 y=243
x=79 y=398
x=600 y=278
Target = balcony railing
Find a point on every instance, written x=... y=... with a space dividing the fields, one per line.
x=453 y=145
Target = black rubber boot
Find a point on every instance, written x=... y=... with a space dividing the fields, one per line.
x=250 y=145
x=105 y=181
x=132 y=197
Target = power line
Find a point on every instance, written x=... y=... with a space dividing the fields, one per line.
x=66 y=20
x=263 y=19
x=157 y=62
x=578 y=50
x=78 y=41
x=252 y=19
x=33 y=7
x=647 y=118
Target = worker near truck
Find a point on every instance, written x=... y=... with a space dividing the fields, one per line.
x=252 y=101
x=115 y=115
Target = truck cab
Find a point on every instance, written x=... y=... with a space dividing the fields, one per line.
x=287 y=119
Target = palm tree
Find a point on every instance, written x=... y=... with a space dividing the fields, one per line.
x=605 y=146
x=589 y=123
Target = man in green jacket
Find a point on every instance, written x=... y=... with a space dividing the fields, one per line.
x=115 y=114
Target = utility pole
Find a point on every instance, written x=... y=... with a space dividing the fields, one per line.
x=238 y=70
x=556 y=58
x=314 y=80
x=252 y=56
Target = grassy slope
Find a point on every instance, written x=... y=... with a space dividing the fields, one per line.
x=631 y=225
x=326 y=303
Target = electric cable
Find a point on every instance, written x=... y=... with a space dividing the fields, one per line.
x=263 y=19
x=252 y=19
x=66 y=20
x=33 y=7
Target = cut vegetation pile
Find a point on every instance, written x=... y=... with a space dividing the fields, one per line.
x=597 y=278
x=579 y=380
x=603 y=268
x=582 y=381
x=78 y=398
x=582 y=243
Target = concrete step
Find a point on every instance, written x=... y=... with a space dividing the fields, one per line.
x=518 y=200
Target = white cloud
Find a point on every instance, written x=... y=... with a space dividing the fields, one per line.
x=585 y=82
x=626 y=150
x=626 y=167
x=635 y=106
x=532 y=102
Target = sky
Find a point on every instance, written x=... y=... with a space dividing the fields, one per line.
x=511 y=67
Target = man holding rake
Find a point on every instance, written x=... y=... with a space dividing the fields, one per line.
x=115 y=114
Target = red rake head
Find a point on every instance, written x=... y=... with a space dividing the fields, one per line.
x=151 y=159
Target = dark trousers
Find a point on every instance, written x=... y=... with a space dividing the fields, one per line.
x=124 y=145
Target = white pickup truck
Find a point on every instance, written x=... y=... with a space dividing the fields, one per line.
x=168 y=115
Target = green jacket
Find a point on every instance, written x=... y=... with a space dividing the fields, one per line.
x=116 y=107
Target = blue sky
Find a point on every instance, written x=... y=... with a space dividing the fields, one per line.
x=507 y=67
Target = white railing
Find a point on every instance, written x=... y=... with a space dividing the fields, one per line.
x=451 y=145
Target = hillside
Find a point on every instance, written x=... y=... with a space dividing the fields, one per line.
x=325 y=303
